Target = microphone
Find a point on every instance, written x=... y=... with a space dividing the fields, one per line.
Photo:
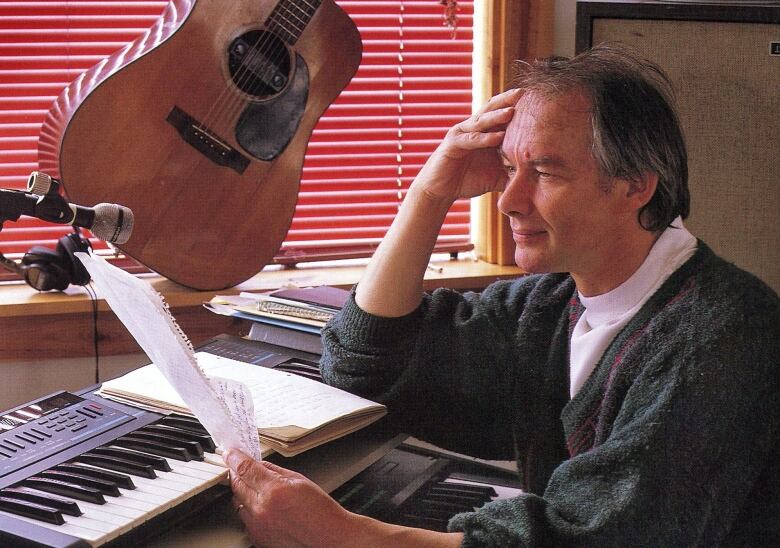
x=110 y=222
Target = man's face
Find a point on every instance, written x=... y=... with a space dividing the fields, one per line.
x=565 y=216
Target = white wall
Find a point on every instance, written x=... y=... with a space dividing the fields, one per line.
x=565 y=25
x=24 y=381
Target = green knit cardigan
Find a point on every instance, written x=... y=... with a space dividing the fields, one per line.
x=672 y=441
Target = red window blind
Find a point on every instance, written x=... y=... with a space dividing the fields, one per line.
x=414 y=82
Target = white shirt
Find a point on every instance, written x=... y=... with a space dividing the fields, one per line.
x=605 y=315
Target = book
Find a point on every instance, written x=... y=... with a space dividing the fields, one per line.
x=292 y=413
x=305 y=309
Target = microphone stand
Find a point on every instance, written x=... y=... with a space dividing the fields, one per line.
x=15 y=203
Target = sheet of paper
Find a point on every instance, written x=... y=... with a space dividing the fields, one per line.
x=224 y=409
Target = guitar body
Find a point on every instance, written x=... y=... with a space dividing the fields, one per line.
x=200 y=127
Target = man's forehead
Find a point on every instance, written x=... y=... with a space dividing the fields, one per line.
x=545 y=119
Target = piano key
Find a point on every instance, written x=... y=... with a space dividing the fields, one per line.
x=199 y=469
x=121 y=480
x=64 y=488
x=116 y=508
x=502 y=491
x=32 y=510
x=62 y=504
x=193 y=448
x=132 y=442
x=486 y=490
x=446 y=508
x=106 y=487
x=204 y=439
x=186 y=423
x=90 y=535
x=117 y=464
x=155 y=461
x=98 y=523
x=426 y=522
x=474 y=501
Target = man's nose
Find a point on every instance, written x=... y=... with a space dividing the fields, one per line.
x=516 y=200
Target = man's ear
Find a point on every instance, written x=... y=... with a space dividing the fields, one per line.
x=641 y=190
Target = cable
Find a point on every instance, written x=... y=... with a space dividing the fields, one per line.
x=93 y=297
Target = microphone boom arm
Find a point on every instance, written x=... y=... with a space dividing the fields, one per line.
x=50 y=207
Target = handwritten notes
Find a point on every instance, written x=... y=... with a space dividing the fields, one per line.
x=224 y=407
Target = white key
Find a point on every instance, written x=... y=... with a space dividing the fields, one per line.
x=95 y=538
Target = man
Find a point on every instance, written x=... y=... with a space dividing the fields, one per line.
x=634 y=378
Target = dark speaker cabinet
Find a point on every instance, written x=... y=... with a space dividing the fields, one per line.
x=724 y=62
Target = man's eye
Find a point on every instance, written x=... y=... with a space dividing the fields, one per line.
x=510 y=170
x=543 y=174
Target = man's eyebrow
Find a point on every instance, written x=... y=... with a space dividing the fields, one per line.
x=548 y=160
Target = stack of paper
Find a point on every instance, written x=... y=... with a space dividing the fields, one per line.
x=292 y=413
x=304 y=309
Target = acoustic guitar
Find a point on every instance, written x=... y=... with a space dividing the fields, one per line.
x=200 y=126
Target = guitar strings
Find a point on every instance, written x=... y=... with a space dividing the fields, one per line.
x=224 y=103
x=230 y=110
x=274 y=56
x=277 y=54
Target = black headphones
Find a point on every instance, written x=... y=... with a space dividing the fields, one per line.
x=46 y=269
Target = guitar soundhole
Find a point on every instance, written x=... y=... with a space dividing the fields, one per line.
x=259 y=63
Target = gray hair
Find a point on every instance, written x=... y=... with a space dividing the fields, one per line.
x=635 y=126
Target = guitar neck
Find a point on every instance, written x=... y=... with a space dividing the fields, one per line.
x=289 y=18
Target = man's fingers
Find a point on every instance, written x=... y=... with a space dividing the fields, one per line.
x=477 y=140
x=245 y=472
x=502 y=100
x=487 y=121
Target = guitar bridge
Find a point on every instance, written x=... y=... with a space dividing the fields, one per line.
x=206 y=142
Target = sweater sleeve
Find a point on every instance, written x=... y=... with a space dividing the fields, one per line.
x=447 y=371
x=695 y=432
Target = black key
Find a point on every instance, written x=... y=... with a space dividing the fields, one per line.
x=204 y=440
x=472 y=500
x=126 y=482
x=106 y=487
x=426 y=522
x=187 y=423
x=131 y=442
x=487 y=490
x=443 y=509
x=118 y=464
x=65 y=489
x=193 y=448
x=158 y=463
x=32 y=510
x=31 y=495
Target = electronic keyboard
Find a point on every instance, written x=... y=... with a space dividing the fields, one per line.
x=81 y=471
x=420 y=487
x=77 y=470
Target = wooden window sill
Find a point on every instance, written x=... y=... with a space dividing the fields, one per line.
x=37 y=325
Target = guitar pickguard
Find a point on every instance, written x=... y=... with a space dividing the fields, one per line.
x=264 y=129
